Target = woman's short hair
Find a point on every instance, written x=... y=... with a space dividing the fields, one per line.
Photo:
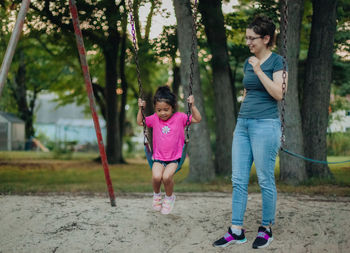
x=263 y=26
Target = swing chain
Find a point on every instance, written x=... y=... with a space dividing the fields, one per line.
x=141 y=93
x=193 y=47
x=284 y=74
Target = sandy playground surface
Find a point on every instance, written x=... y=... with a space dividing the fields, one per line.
x=89 y=224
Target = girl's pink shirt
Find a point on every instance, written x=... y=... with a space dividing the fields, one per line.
x=168 y=136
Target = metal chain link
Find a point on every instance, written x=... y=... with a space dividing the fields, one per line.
x=141 y=93
x=193 y=48
x=284 y=75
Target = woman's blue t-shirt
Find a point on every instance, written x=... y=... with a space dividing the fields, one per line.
x=258 y=103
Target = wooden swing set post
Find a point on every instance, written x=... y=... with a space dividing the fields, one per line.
x=5 y=66
x=88 y=85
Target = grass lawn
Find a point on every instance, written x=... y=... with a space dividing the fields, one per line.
x=37 y=173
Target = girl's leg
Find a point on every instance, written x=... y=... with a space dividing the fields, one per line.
x=241 y=164
x=157 y=176
x=168 y=178
x=168 y=181
x=265 y=136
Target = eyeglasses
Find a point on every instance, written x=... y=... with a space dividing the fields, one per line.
x=253 y=38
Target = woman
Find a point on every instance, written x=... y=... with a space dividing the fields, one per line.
x=257 y=133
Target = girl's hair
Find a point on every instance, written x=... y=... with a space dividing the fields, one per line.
x=164 y=94
x=263 y=25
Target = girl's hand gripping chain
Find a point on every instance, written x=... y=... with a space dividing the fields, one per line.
x=142 y=105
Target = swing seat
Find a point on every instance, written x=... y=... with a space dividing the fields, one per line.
x=150 y=159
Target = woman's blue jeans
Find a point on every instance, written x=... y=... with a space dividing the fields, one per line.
x=258 y=141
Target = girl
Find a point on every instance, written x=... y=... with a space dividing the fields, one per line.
x=257 y=134
x=168 y=140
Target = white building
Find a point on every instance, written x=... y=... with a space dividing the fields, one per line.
x=65 y=123
x=340 y=121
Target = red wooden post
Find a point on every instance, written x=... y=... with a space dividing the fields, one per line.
x=88 y=85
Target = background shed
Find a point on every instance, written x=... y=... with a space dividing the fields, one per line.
x=12 y=132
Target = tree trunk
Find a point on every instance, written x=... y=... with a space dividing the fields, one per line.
x=316 y=93
x=110 y=51
x=292 y=170
x=213 y=20
x=177 y=79
x=113 y=146
x=19 y=90
x=201 y=163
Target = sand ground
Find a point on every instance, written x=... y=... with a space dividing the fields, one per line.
x=57 y=223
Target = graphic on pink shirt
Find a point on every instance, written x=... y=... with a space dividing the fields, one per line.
x=165 y=130
x=168 y=136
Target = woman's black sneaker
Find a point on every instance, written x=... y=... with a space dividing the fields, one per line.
x=230 y=238
x=263 y=239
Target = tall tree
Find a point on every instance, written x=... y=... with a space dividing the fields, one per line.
x=225 y=105
x=201 y=163
x=99 y=22
x=35 y=68
x=292 y=170
x=316 y=90
x=19 y=87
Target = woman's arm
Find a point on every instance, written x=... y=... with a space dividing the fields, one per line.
x=273 y=87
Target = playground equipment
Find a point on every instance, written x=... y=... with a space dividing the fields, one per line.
x=85 y=68
x=147 y=141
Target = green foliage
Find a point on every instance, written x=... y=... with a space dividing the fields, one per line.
x=341 y=76
x=64 y=149
x=166 y=44
x=342 y=36
x=305 y=30
x=7 y=103
x=339 y=103
x=338 y=144
x=236 y=23
x=268 y=8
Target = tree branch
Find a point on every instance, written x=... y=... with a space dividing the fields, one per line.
x=57 y=20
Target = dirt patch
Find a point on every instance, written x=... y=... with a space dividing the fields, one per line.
x=59 y=223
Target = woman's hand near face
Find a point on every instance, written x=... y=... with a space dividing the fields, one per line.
x=255 y=62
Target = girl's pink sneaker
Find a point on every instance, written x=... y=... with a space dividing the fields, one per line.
x=157 y=202
x=168 y=204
